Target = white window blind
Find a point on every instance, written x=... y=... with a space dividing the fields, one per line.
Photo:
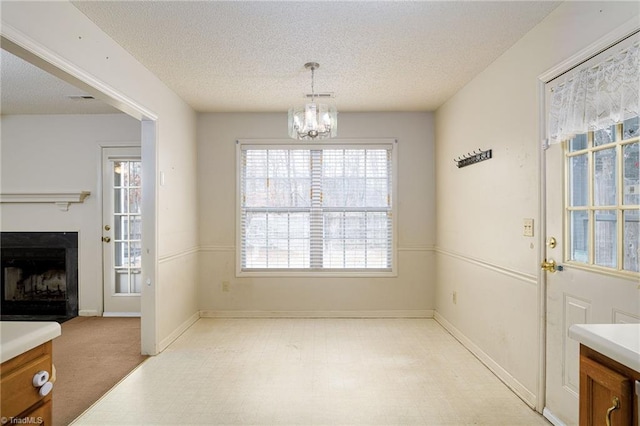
x=319 y=208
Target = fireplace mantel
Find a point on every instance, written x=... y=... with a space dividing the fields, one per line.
x=60 y=199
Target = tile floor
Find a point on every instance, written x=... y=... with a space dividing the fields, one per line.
x=312 y=372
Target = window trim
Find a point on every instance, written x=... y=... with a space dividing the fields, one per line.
x=360 y=143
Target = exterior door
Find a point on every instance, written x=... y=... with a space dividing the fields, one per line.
x=122 y=231
x=592 y=214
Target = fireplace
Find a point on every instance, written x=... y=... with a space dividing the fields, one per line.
x=39 y=273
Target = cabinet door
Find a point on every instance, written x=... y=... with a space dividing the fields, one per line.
x=605 y=395
x=41 y=415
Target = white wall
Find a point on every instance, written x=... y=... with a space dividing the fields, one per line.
x=482 y=255
x=61 y=153
x=411 y=293
x=59 y=29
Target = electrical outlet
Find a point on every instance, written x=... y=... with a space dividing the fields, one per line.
x=225 y=285
x=454 y=297
x=528 y=228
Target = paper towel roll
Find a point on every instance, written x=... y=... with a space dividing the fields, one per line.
x=40 y=378
x=45 y=389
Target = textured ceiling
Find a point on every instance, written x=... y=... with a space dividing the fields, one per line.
x=374 y=56
x=26 y=89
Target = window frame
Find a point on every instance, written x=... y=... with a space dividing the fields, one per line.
x=328 y=144
x=591 y=208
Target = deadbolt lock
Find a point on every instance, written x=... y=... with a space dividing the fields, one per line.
x=551 y=242
x=107 y=228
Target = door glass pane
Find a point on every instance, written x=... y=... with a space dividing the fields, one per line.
x=135 y=200
x=119 y=254
x=606 y=238
x=579 y=225
x=125 y=173
x=119 y=227
x=578 y=142
x=135 y=260
x=122 y=282
x=118 y=167
x=119 y=200
x=136 y=280
x=604 y=184
x=135 y=173
x=631 y=179
x=135 y=228
x=578 y=180
x=630 y=128
x=604 y=136
x=631 y=243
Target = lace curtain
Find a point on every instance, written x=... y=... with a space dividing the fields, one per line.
x=596 y=97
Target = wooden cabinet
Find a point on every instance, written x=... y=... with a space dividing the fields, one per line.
x=607 y=395
x=21 y=402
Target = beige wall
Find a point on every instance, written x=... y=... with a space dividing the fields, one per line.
x=61 y=153
x=482 y=254
x=60 y=30
x=412 y=292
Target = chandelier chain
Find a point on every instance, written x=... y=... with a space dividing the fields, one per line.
x=313 y=69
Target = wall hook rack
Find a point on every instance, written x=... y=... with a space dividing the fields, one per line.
x=473 y=158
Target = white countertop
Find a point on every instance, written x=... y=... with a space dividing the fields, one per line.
x=17 y=337
x=620 y=342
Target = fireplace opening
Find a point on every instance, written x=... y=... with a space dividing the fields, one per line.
x=39 y=273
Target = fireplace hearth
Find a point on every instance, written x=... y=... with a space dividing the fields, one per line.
x=39 y=273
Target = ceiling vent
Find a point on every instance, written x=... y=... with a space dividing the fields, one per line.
x=80 y=97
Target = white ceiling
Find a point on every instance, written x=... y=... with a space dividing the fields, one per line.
x=225 y=56
x=26 y=89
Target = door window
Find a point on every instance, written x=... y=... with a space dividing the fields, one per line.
x=602 y=200
x=127 y=222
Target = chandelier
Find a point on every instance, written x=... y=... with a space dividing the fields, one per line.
x=313 y=120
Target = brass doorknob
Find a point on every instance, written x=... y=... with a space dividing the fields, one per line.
x=549 y=266
x=106 y=239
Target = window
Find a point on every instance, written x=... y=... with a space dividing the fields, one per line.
x=603 y=198
x=127 y=223
x=307 y=207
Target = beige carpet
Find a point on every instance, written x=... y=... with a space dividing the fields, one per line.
x=91 y=355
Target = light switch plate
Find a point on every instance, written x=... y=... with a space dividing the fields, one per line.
x=528 y=228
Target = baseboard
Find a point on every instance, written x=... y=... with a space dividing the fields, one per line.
x=121 y=314
x=553 y=419
x=88 y=313
x=178 y=331
x=522 y=392
x=423 y=313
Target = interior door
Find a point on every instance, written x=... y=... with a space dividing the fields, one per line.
x=122 y=231
x=592 y=206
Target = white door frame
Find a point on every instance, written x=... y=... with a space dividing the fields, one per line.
x=24 y=47
x=605 y=42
